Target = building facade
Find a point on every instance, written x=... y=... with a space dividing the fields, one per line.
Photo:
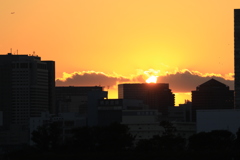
x=156 y=95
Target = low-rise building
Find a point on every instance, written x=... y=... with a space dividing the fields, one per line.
x=184 y=129
x=219 y=119
x=143 y=124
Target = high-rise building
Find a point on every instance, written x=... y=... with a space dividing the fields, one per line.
x=27 y=87
x=156 y=95
x=212 y=95
x=237 y=56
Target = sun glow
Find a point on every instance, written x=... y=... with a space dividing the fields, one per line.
x=152 y=79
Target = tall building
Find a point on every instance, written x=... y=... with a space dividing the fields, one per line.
x=237 y=56
x=26 y=88
x=212 y=95
x=156 y=95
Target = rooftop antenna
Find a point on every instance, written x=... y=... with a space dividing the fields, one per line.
x=10 y=50
x=33 y=53
x=17 y=51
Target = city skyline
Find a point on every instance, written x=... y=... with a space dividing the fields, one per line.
x=107 y=43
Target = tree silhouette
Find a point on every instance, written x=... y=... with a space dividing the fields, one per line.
x=237 y=140
x=217 y=140
x=83 y=139
x=168 y=126
x=114 y=137
x=47 y=136
x=165 y=143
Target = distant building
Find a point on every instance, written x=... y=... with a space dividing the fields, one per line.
x=92 y=108
x=110 y=110
x=212 y=95
x=181 y=113
x=184 y=129
x=74 y=98
x=218 y=119
x=157 y=96
x=77 y=104
x=143 y=124
x=237 y=56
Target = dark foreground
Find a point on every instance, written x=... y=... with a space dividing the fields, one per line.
x=127 y=155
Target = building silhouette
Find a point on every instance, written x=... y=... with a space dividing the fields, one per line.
x=212 y=95
x=74 y=98
x=111 y=110
x=237 y=56
x=181 y=113
x=156 y=95
x=27 y=88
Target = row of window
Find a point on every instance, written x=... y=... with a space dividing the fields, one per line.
x=28 y=65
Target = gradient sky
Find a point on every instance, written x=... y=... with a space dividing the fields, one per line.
x=107 y=42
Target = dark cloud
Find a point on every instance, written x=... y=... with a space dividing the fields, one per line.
x=179 y=82
x=187 y=82
x=91 y=79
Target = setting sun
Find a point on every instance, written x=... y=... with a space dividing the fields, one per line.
x=125 y=41
x=152 y=79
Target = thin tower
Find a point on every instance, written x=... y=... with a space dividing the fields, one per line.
x=237 y=57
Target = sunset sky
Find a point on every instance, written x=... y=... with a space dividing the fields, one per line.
x=107 y=42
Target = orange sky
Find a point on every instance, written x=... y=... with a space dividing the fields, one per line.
x=123 y=38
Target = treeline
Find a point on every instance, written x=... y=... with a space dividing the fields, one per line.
x=115 y=137
x=116 y=142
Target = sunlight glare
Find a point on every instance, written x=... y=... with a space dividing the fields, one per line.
x=152 y=79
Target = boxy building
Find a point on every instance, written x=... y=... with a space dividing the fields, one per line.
x=157 y=96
